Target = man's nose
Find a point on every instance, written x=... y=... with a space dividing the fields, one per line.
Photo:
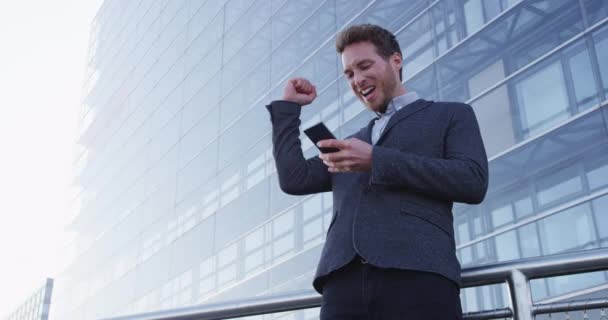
x=359 y=80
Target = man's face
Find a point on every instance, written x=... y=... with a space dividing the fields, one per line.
x=374 y=80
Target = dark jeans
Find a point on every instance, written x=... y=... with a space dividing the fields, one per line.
x=362 y=291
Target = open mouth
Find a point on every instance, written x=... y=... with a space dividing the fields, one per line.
x=367 y=92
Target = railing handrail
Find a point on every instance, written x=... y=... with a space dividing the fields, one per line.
x=516 y=273
x=537 y=267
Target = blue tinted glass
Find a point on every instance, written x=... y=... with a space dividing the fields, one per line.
x=348 y=9
x=596 y=10
x=571 y=229
x=246 y=94
x=601 y=49
x=444 y=25
x=559 y=186
x=542 y=98
x=585 y=91
x=257 y=16
x=290 y=14
x=424 y=83
x=528 y=241
x=601 y=218
x=204 y=101
x=201 y=16
x=303 y=41
x=180 y=203
x=561 y=20
x=197 y=138
x=596 y=169
x=567 y=284
x=416 y=42
x=492 y=8
x=246 y=131
x=502 y=215
x=197 y=170
x=391 y=14
x=507 y=246
x=473 y=14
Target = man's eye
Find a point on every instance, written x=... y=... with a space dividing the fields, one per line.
x=348 y=75
x=365 y=66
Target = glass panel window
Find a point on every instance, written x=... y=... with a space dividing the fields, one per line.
x=227 y=255
x=254 y=250
x=566 y=284
x=560 y=186
x=600 y=206
x=543 y=99
x=571 y=229
x=596 y=11
x=283 y=223
x=493 y=8
x=254 y=261
x=502 y=215
x=601 y=49
x=283 y=245
x=482 y=249
x=312 y=230
x=226 y=275
x=445 y=26
x=470 y=300
x=311 y=207
x=416 y=41
x=473 y=14
x=582 y=79
x=463 y=232
x=506 y=246
x=486 y=77
x=528 y=240
x=538 y=287
x=598 y=177
x=491 y=111
x=524 y=207
x=466 y=256
x=207 y=267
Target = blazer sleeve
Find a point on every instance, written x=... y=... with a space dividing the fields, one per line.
x=461 y=176
x=297 y=176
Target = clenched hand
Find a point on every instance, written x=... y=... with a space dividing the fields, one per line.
x=300 y=91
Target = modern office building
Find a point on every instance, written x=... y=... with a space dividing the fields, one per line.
x=179 y=202
x=36 y=306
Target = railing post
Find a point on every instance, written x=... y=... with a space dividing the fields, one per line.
x=521 y=298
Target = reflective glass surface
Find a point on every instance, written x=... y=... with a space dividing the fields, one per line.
x=179 y=202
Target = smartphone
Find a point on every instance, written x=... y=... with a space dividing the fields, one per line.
x=320 y=132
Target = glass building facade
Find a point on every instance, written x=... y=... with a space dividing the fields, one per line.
x=35 y=307
x=178 y=199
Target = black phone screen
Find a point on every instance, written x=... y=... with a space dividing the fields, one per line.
x=320 y=132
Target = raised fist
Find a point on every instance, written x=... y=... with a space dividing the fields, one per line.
x=300 y=91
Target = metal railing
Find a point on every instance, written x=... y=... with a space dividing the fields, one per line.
x=517 y=274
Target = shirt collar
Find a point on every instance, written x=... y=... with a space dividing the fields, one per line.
x=399 y=102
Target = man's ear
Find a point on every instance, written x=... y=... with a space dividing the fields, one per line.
x=396 y=61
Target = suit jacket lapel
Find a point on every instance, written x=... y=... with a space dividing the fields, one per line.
x=403 y=113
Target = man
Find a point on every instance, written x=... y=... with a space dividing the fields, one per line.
x=390 y=249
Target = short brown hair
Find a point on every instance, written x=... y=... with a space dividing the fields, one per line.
x=385 y=42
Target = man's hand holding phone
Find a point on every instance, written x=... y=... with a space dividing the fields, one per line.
x=354 y=155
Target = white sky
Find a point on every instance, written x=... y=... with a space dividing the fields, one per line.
x=43 y=47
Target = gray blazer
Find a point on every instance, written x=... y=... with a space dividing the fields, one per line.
x=399 y=215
